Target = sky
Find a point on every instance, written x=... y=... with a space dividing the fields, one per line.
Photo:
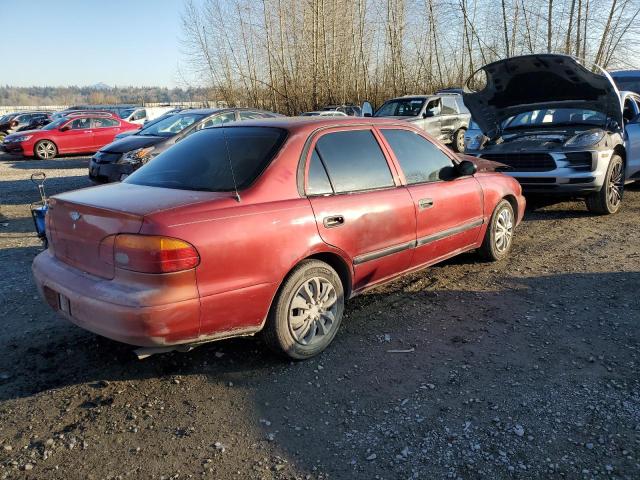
x=84 y=42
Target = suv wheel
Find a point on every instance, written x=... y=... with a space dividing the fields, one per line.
x=458 y=141
x=307 y=311
x=608 y=200
x=499 y=235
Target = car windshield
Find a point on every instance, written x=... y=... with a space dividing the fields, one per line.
x=401 y=107
x=55 y=124
x=554 y=117
x=628 y=83
x=171 y=125
x=213 y=160
x=124 y=113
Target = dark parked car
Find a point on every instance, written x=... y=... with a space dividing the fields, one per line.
x=38 y=121
x=116 y=161
x=627 y=80
x=12 y=122
x=563 y=128
x=267 y=225
x=442 y=116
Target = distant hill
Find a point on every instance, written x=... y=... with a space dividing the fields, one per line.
x=98 y=93
x=101 y=86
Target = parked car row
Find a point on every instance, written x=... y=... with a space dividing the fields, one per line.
x=17 y=122
x=235 y=222
x=78 y=132
x=117 y=160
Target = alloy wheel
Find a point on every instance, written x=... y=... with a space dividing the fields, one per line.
x=615 y=185
x=460 y=139
x=503 y=230
x=46 y=150
x=313 y=311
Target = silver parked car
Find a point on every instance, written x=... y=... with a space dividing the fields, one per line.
x=562 y=128
x=443 y=116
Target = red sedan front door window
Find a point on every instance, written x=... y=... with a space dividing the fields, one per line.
x=358 y=206
x=448 y=207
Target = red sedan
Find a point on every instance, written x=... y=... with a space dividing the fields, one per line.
x=267 y=226
x=77 y=133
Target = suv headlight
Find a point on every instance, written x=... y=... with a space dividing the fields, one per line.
x=137 y=155
x=585 y=139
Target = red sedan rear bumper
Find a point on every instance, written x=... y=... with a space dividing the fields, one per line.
x=99 y=306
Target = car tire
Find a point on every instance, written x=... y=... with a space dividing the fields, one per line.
x=306 y=313
x=458 y=141
x=609 y=199
x=45 y=150
x=498 y=239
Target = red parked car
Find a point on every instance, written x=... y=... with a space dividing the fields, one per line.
x=268 y=225
x=76 y=133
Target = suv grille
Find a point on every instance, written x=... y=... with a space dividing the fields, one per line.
x=524 y=162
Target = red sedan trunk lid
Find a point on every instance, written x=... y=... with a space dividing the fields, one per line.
x=78 y=222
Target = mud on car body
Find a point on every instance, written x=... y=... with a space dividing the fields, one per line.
x=561 y=128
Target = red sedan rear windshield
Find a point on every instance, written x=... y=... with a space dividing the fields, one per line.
x=211 y=159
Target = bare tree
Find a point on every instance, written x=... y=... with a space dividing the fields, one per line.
x=295 y=55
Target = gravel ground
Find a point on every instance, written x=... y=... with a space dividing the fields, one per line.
x=522 y=369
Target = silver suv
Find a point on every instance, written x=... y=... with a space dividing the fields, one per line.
x=442 y=116
x=561 y=128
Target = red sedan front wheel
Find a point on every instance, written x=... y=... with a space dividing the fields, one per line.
x=45 y=150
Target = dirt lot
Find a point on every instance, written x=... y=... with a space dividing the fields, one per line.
x=523 y=369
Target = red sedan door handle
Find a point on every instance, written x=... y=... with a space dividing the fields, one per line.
x=333 y=221
x=425 y=203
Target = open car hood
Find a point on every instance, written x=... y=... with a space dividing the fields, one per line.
x=531 y=82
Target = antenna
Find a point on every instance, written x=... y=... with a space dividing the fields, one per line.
x=233 y=175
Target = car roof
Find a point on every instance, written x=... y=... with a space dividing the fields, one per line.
x=22 y=112
x=99 y=113
x=431 y=95
x=625 y=73
x=309 y=124
x=209 y=111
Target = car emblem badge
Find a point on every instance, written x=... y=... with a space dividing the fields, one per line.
x=75 y=216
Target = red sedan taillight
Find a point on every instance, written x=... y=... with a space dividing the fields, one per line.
x=151 y=254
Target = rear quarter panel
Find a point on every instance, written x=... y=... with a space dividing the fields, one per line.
x=246 y=250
